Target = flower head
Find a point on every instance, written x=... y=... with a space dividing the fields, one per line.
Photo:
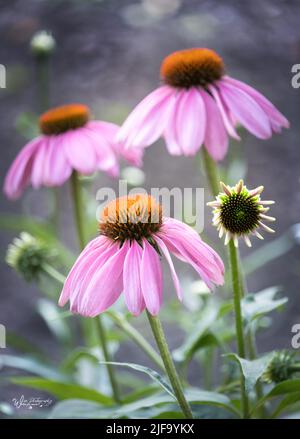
x=69 y=141
x=198 y=104
x=281 y=368
x=239 y=212
x=134 y=234
x=42 y=43
x=27 y=255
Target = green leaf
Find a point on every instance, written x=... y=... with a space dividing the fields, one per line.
x=285 y=403
x=252 y=370
x=21 y=344
x=30 y=364
x=256 y=305
x=63 y=390
x=51 y=315
x=73 y=409
x=155 y=376
x=281 y=389
x=195 y=341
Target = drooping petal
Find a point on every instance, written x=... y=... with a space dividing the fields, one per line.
x=277 y=119
x=79 y=151
x=105 y=286
x=19 y=174
x=246 y=110
x=186 y=244
x=170 y=132
x=151 y=278
x=146 y=122
x=216 y=138
x=191 y=121
x=132 y=279
x=106 y=156
x=100 y=243
x=56 y=167
x=227 y=118
x=110 y=131
x=165 y=251
x=39 y=163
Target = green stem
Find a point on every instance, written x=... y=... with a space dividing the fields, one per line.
x=52 y=272
x=162 y=345
x=78 y=208
x=212 y=172
x=135 y=335
x=233 y=256
x=78 y=211
x=100 y=331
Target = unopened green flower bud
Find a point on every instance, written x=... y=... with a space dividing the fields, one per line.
x=282 y=367
x=27 y=254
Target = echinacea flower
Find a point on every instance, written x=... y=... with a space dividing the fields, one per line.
x=239 y=212
x=27 y=255
x=126 y=257
x=69 y=141
x=198 y=104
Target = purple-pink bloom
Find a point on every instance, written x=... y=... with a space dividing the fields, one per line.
x=199 y=105
x=69 y=141
x=126 y=258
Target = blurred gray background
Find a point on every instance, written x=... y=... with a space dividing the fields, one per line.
x=108 y=56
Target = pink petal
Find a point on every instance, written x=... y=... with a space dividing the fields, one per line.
x=165 y=251
x=38 y=167
x=96 y=244
x=224 y=112
x=104 y=150
x=146 y=122
x=19 y=173
x=105 y=286
x=56 y=167
x=246 y=110
x=79 y=152
x=151 y=278
x=132 y=280
x=191 y=121
x=170 y=132
x=216 y=138
x=277 y=119
x=186 y=244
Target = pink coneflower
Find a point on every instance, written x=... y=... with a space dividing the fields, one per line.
x=69 y=141
x=126 y=257
x=198 y=104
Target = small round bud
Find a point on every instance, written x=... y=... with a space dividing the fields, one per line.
x=281 y=368
x=26 y=255
x=42 y=43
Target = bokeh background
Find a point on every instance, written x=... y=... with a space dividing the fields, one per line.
x=108 y=56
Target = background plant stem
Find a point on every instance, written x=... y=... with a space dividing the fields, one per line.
x=162 y=345
x=97 y=323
